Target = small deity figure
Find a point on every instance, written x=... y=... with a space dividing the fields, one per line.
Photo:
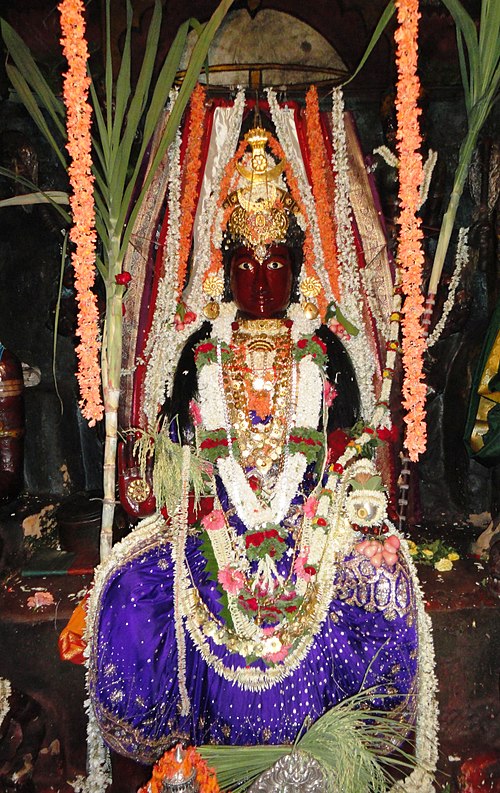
x=243 y=616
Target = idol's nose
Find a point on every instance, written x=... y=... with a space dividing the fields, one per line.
x=261 y=282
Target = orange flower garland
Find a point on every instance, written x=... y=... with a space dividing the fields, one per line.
x=324 y=204
x=225 y=188
x=167 y=766
x=83 y=234
x=410 y=254
x=192 y=165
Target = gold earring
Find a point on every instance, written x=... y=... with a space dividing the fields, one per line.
x=213 y=286
x=310 y=287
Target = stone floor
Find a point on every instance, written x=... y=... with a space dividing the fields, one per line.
x=42 y=740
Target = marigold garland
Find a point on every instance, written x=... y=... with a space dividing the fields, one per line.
x=83 y=235
x=410 y=254
x=167 y=766
x=192 y=165
x=319 y=170
x=230 y=174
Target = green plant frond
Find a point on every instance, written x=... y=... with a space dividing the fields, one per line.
x=28 y=99
x=101 y=190
x=101 y=229
x=123 y=89
x=53 y=197
x=381 y=26
x=466 y=25
x=348 y=741
x=156 y=107
x=101 y=144
x=120 y=153
x=26 y=64
x=479 y=59
x=167 y=468
x=489 y=38
x=464 y=74
x=165 y=81
x=196 y=62
x=101 y=269
x=108 y=71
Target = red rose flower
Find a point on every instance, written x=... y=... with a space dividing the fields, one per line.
x=302 y=344
x=123 y=278
x=321 y=344
x=256 y=539
x=202 y=348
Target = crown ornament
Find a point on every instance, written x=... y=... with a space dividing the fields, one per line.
x=260 y=208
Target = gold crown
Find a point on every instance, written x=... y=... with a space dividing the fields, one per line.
x=261 y=209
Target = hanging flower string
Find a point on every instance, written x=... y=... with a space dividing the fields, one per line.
x=319 y=171
x=83 y=235
x=216 y=259
x=190 y=192
x=410 y=254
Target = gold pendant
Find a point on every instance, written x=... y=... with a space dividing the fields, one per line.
x=211 y=310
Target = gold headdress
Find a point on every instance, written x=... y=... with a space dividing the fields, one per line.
x=261 y=207
x=260 y=215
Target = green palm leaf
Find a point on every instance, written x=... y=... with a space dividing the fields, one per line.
x=479 y=59
x=26 y=65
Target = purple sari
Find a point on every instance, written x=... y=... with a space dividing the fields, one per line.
x=369 y=638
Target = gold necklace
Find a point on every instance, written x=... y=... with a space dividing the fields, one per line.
x=257 y=385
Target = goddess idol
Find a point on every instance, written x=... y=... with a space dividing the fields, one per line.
x=274 y=585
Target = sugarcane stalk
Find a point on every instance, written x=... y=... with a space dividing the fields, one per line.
x=111 y=373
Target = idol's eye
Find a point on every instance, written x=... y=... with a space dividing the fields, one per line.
x=245 y=266
x=275 y=265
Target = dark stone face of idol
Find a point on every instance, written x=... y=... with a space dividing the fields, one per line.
x=261 y=290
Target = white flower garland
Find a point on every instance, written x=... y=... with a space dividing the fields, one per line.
x=164 y=341
x=302 y=326
x=387 y=155
x=206 y=224
x=159 y=346
x=304 y=411
x=349 y=278
x=5 y=692
x=284 y=123
x=309 y=394
x=178 y=556
x=248 y=508
x=222 y=326
x=461 y=259
x=421 y=779
x=253 y=678
x=428 y=168
x=212 y=410
x=392 y=161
